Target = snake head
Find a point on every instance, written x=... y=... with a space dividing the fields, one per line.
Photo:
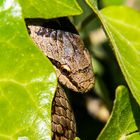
x=68 y=55
x=77 y=74
x=80 y=81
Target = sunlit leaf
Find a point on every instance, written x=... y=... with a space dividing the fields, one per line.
x=113 y=2
x=27 y=80
x=124 y=120
x=49 y=8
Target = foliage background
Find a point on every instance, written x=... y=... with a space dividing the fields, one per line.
x=28 y=80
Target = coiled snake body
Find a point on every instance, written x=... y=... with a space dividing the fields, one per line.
x=73 y=67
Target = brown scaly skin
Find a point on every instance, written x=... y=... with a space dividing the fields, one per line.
x=74 y=70
x=66 y=51
x=63 y=121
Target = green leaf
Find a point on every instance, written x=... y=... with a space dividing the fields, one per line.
x=134 y=136
x=93 y=4
x=27 y=80
x=49 y=8
x=113 y=2
x=122 y=27
x=124 y=120
x=77 y=138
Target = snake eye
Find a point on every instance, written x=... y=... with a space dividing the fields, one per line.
x=65 y=69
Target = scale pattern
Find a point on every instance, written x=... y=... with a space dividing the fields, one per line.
x=63 y=121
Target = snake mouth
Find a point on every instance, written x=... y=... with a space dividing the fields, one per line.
x=65 y=76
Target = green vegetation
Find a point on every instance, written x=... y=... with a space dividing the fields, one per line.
x=28 y=80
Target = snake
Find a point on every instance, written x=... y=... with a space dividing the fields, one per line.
x=72 y=63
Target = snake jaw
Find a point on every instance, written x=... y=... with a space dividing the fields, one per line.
x=67 y=80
